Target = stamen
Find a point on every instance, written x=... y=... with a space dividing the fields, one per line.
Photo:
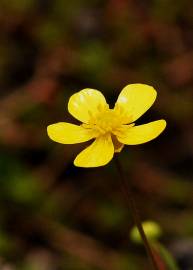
x=107 y=121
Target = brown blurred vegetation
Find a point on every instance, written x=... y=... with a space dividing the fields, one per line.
x=56 y=216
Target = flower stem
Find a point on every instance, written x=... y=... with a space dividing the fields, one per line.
x=132 y=206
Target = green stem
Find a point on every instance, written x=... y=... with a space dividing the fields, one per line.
x=166 y=256
x=132 y=206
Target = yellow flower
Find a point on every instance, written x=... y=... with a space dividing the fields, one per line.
x=111 y=128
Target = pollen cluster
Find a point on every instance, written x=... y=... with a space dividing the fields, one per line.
x=105 y=121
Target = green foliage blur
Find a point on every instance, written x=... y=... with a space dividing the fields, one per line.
x=56 y=216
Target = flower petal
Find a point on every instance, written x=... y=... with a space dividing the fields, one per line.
x=99 y=153
x=142 y=133
x=67 y=133
x=135 y=99
x=85 y=104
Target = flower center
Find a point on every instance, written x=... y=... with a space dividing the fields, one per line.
x=105 y=121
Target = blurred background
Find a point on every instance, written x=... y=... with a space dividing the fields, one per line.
x=56 y=216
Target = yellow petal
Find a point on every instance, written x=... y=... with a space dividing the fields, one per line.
x=68 y=133
x=142 y=133
x=99 y=153
x=135 y=99
x=85 y=104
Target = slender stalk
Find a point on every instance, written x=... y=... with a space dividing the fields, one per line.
x=126 y=190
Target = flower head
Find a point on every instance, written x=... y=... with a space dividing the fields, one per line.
x=111 y=128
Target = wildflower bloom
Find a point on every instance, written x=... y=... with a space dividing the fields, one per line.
x=111 y=128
